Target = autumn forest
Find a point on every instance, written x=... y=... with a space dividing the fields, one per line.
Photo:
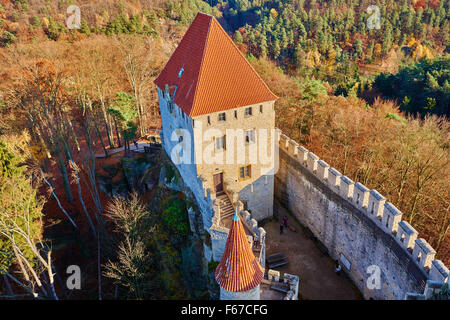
x=372 y=102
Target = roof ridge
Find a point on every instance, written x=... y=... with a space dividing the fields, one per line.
x=211 y=18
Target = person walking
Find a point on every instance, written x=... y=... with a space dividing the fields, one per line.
x=285 y=219
x=337 y=268
x=136 y=144
x=255 y=240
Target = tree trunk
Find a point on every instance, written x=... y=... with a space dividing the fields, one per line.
x=117 y=132
x=62 y=168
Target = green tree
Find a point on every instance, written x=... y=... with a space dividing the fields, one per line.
x=24 y=257
x=126 y=113
x=238 y=37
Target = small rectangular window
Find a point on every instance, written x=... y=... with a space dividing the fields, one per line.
x=249 y=136
x=222 y=116
x=248 y=111
x=235 y=114
x=260 y=108
x=245 y=172
x=209 y=120
x=220 y=143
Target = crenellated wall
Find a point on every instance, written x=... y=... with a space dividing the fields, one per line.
x=274 y=277
x=357 y=225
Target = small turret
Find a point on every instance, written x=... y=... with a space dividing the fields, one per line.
x=239 y=273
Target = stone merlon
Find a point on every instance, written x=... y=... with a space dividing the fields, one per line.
x=425 y=246
x=392 y=209
x=439 y=272
x=361 y=187
x=376 y=195
x=407 y=228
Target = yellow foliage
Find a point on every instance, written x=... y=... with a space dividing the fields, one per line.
x=377 y=50
x=273 y=13
x=422 y=51
x=312 y=59
x=38 y=152
x=411 y=41
x=45 y=22
x=331 y=57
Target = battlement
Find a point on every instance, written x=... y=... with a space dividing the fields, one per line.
x=433 y=289
x=370 y=202
x=273 y=277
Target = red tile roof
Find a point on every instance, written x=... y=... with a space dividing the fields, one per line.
x=216 y=76
x=238 y=270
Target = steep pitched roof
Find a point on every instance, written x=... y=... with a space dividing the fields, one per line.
x=215 y=76
x=238 y=269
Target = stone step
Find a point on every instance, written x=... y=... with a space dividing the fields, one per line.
x=224 y=216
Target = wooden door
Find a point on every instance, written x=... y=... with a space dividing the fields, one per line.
x=218 y=182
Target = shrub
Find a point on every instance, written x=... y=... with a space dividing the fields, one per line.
x=7 y=38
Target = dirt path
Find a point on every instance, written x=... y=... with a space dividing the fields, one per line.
x=315 y=270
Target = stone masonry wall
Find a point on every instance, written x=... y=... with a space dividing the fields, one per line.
x=356 y=224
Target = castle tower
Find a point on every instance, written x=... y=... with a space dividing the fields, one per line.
x=239 y=273
x=217 y=109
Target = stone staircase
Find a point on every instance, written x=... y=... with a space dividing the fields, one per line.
x=226 y=207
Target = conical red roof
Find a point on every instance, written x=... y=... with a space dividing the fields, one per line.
x=238 y=270
x=209 y=72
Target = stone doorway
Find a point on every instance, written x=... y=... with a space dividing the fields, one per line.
x=218 y=182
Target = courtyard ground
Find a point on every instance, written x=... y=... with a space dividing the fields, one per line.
x=318 y=280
